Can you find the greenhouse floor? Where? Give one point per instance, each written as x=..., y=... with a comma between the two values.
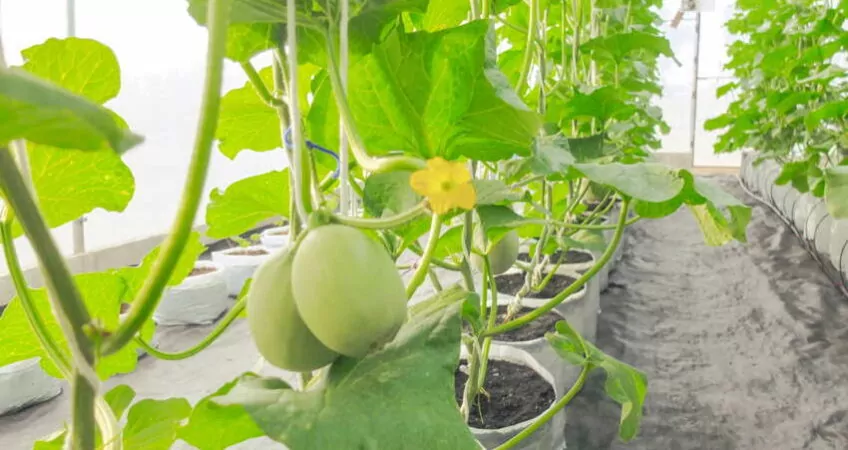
x=745, y=347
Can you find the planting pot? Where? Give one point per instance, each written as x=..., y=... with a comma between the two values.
x=777, y=195
x=815, y=216
x=274, y=238
x=839, y=246
x=200, y=299
x=239, y=264
x=531, y=339
x=767, y=176
x=823, y=231
x=579, y=261
x=579, y=308
x=551, y=436
x=746, y=168
x=803, y=208
x=24, y=384
x=787, y=207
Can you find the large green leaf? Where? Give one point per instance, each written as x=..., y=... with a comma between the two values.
x=153, y=424
x=836, y=191
x=83, y=66
x=246, y=40
x=718, y=228
x=102, y=294
x=624, y=384
x=246, y=122
x=389, y=194
x=40, y=112
x=432, y=94
x=646, y=181
x=217, y=427
x=618, y=47
x=443, y=14
x=135, y=276
x=72, y=183
x=398, y=397
x=587, y=149
x=602, y=104
x=246, y=203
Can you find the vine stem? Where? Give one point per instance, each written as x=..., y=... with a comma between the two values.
x=300, y=170
x=492, y=319
x=424, y=262
x=551, y=412
x=151, y=292
x=219, y=329
x=65, y=298
x=559, y=298
x=383, y=222
x=259, y=86
x=532, y=26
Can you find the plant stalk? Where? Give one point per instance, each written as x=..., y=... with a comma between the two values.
x=424, y=262
x=150, y=294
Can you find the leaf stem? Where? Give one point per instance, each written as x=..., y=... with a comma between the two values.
x=383, y=222
x=574, y=287
x=259, y=86
x=424, y=262
x=151, y=292
x=219, y=329
x=527, y=62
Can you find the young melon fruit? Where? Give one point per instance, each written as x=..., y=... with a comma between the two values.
x=347, y=290
x=275, y=324
x=502, y=255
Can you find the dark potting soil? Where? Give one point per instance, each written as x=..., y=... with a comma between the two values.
x=514, y=393
x=249, y=252
x=201, y=270
x=125, y=307
x=511, y=283
x=571, y=257
x=534, y=330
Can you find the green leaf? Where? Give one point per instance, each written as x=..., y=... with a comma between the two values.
x=153, y=424
x=409, y=381
x=119, y=399
x=246, y=203
x=102, y=293
x=246, y=122
x=390, y=193
x=718, y=228
x=551, y=156
x=83, y=66
x=490, y=192
x=646, y=181
x=587, y=149
x=618, y=47
x=602, y=104
x=72, y=183
x=40, y=112
x=592, y=240
x=434, y=94
x=246, y=40
x=624, y=384
x=836, y=191
x=498, y=221
x=832, y=110
x=216, y=427
x=243, y=11
x=443, y=14
x=450, y=243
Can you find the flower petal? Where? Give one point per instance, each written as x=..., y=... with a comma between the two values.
x=422, y=182
x=458, y=173
x=440, y=203
x=464, y=196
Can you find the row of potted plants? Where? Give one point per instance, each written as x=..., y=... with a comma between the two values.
x=467, y=131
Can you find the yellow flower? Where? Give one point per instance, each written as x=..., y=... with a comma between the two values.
x=445, y=184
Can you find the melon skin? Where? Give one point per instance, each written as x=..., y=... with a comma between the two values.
x=348, y=290
x=502, y=255
x=278, y=331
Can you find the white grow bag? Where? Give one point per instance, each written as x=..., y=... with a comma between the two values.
x=274, y=238
x=198, y=300
x=239, y=267
x=551, y=436
x=24, y=384
x=839, y=246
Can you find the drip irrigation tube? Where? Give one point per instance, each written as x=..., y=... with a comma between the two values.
x=313, y=146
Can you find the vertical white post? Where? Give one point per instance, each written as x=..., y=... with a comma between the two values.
x=344, y=161
x=693, y=126
x=79, y=224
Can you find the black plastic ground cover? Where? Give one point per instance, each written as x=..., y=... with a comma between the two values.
x=745, y=346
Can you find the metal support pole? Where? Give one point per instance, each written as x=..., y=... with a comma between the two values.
x=693, y=126
x=79, y=224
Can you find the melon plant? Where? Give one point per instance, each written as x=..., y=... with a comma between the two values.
x=502, y=254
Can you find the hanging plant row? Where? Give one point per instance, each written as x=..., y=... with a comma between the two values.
x=789, y=94
x=501, y=146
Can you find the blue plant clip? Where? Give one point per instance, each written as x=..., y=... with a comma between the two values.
x=313, y=146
